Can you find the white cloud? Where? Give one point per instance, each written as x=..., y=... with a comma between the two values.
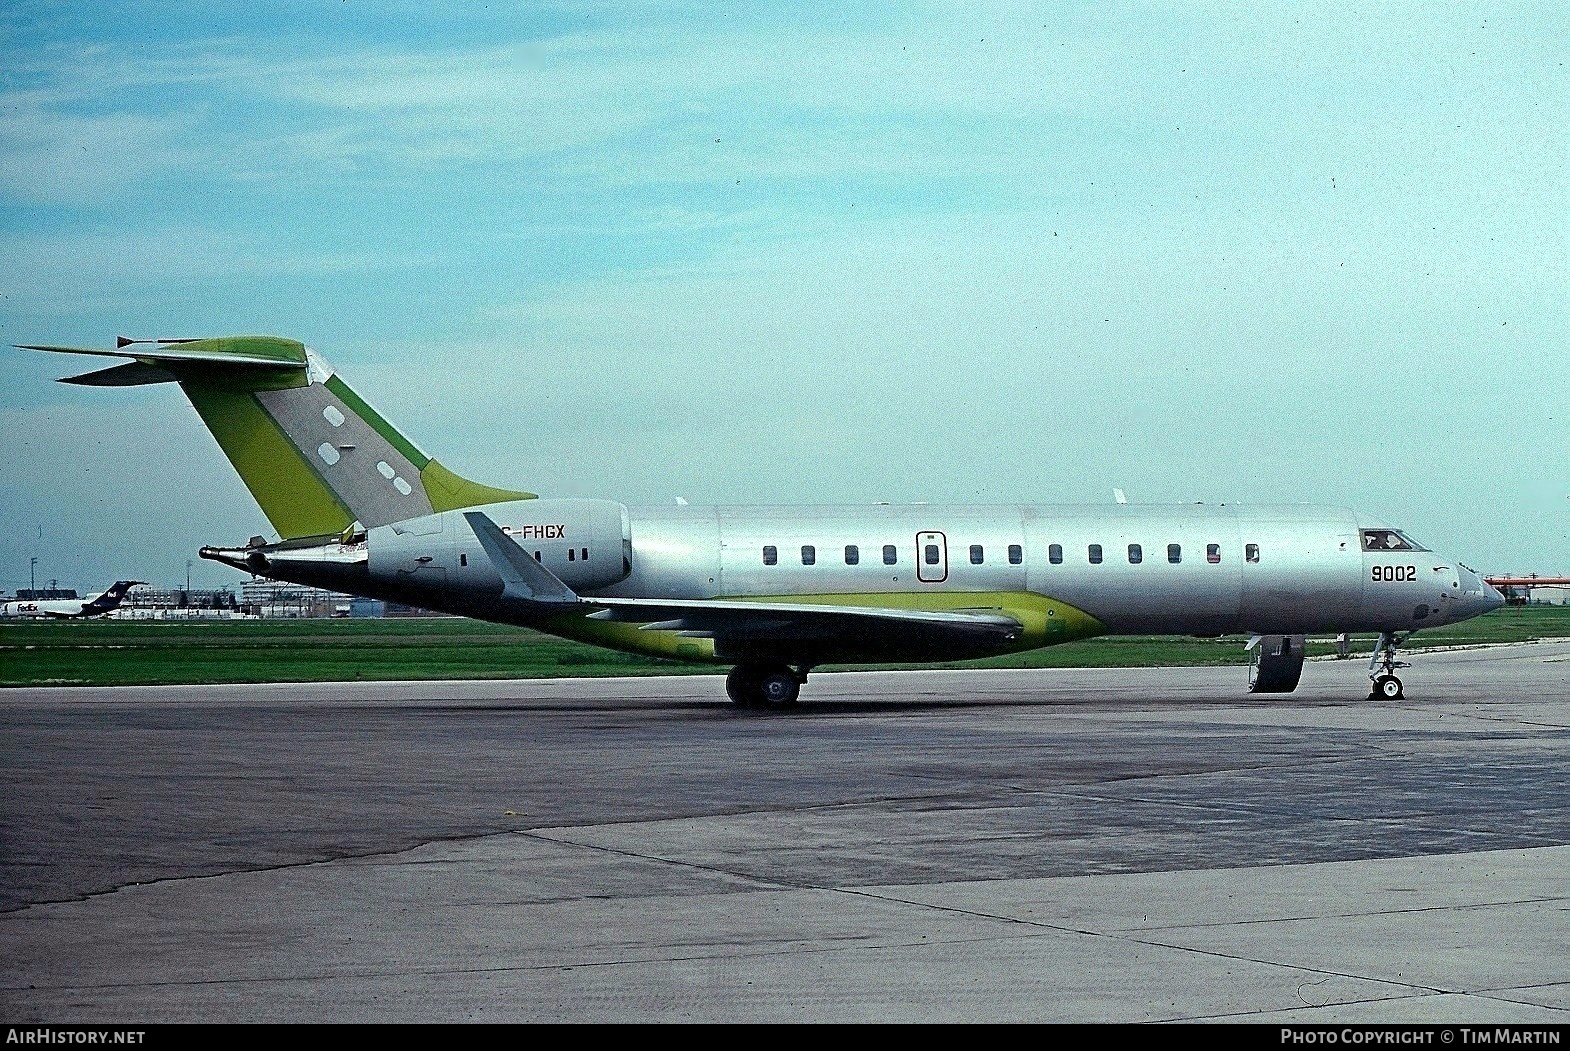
x=49, y=156
x=995, y=95
x=108, y=272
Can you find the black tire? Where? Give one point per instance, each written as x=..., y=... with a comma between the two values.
x=1388, y=687
x=778, y=687
x=741, y=686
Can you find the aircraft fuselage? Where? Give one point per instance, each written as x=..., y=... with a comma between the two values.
x=42, y=608
x=1065, y=571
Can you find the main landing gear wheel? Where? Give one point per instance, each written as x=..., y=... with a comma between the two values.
x=763, y=686
x=1382, y=669
x=741, y=687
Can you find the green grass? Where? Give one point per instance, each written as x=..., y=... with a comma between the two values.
x=107, y=652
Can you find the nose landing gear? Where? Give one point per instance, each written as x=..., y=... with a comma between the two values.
x=1382, y=668
x=764, y=685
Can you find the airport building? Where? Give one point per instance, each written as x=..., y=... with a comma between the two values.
x=272, y=598
x=150, y=603
x=44, y=594
x=256, y=599
x=1524, y=591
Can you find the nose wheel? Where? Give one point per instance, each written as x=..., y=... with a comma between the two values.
x=1386, y=686
x=1382, y=668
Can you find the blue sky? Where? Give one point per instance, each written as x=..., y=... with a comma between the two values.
x=1017, y=253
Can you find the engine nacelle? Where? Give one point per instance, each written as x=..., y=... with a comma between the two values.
x=585, y=543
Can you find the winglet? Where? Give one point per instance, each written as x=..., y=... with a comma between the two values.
x=523, y=578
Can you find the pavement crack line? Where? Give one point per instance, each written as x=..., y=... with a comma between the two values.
x=1133, y=939
x=565, y=839
x=286, y=866
x=1035, y=928
x=781, y=951
x=1275, y=1012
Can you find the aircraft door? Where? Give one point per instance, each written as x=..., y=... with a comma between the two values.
x=932, y=558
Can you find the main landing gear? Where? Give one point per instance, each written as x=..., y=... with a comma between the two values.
x=1382, y=668
x=764, y=685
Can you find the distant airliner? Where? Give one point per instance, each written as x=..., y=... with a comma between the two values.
x=777, y=591
x=65, y=609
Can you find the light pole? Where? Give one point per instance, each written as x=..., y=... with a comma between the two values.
x=32, y=578
x=188, y=580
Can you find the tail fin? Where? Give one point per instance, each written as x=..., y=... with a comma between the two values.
x=111, y=598
x=316, y=457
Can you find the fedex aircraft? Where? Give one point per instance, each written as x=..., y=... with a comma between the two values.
x=776, y=591
x=64, y=609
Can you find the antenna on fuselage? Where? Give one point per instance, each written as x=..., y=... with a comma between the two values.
x=1117, y=494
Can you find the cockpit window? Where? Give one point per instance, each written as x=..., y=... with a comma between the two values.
x=1389, y=540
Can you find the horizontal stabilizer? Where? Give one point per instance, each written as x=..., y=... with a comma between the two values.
x=251, y=351
x=131, y=374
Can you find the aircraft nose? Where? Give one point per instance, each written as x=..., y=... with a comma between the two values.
x=1479, y=596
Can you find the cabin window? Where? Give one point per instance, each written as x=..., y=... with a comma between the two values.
x=852, y=555
x=1016, y=554
x=1095, y=554
x=1251, y=553
x=571, y=555
x=537, y=556
x=890, y=555
x=1055, y=554
x=583, y=553
x=976, y=556
x=809, y=555
x=1174, y=553
x=931, y=554
x=463, y=559
x=771, y=555
x=1136, y=554
x=1212, y=553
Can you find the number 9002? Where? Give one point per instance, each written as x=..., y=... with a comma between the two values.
x=1395, y=572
